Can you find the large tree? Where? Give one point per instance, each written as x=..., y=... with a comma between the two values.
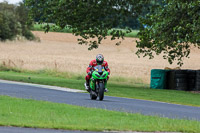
x=168, y=26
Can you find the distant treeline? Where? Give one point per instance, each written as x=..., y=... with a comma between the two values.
x=14, y=22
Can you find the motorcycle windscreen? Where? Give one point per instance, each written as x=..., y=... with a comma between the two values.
x=100, y=69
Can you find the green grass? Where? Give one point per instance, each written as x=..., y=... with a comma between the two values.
x=40, y=114
x=134, y=33
x=120, y=87
x=53, y=28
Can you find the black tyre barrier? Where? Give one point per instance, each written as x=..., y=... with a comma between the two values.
x=197, y=85
x=198, y=75
x=191, y=73
x=181, y=80
x=170, y=80
x=181, y=86
x=181, y=72
x=182, y=76
x=187, y=80
x=198, y=72
x=197, y=88
x=191, y=79
x=198, y=82
x=191, y=85
x=177, y=79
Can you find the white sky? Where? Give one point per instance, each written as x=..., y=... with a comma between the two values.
x=12, y=1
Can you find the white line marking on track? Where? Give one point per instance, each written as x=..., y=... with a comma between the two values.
x=42, y=86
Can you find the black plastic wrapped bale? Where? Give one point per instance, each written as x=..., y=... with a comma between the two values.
x=197, y=84
x=158, y=79
x=177, y=80
x=191, y=80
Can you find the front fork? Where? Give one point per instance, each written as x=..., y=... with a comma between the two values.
x=94, y=85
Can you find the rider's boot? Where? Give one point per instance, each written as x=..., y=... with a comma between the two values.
x=87, y=86
x=106, y=90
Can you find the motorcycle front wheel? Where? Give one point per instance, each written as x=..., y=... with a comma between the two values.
x=101, y=91
x=92, y=95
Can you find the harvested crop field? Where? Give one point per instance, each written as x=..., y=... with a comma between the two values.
x=61, y=51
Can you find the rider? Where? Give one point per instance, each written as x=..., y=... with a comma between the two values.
x=99, y=61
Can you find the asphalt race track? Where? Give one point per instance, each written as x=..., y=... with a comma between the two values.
x=36, y=92
x=36, y=130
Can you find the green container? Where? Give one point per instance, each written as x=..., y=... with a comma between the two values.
x=158, y=79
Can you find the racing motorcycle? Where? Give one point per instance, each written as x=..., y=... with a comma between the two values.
x=97, y=82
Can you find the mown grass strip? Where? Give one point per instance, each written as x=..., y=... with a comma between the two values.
x=40, y=114
x=116, y=87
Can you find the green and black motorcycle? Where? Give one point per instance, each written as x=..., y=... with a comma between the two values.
x=98, y=82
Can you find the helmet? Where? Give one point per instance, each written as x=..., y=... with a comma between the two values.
x=99, y=59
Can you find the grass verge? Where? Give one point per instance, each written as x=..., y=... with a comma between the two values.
x=120, y=87
x=40, y=114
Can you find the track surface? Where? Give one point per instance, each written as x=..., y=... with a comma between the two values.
x=36, y=130
x=110, y=103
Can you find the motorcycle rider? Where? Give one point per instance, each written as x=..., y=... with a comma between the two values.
x=98, y=61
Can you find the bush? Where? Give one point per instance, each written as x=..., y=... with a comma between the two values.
x=9, y=27
x=14, y=21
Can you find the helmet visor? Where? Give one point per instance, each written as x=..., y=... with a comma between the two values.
x=99, y=62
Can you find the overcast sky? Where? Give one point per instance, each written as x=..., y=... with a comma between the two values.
x=12, y=1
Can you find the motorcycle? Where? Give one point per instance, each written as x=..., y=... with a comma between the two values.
x=97, y=82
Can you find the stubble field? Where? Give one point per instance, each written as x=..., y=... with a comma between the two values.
x=62, y=52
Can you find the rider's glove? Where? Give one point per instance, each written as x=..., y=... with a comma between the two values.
x=90, y=73
x=108, y=73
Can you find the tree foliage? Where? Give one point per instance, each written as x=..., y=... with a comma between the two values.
x=167, y=26
x=13, y=21
x=9, y=27
x=87, y=18
x=172, y=28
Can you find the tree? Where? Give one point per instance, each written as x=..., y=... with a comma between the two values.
x=167, y=26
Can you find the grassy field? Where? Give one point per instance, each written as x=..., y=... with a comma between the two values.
x=61, y=52
x=53, y=28
x=30, y=113
x=117, y=87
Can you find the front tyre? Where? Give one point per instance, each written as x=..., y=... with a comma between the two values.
x=93, y=96
x=101, y=91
